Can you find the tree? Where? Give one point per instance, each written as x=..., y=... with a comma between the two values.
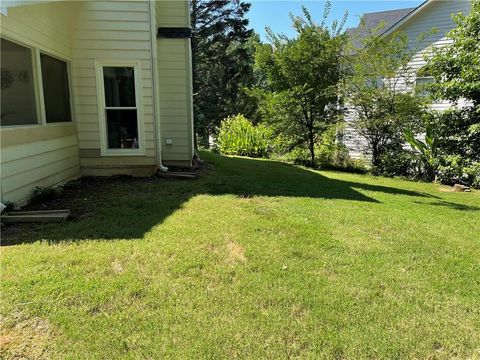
x=301, y=77
x=456, y=69
x=378, y=89
x=222, y=60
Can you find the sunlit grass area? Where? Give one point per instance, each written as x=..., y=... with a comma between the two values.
x=255, y=259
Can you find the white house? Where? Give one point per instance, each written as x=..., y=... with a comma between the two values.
x=93, y=88
x=413, y=22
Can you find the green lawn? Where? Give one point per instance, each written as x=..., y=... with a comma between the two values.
x=256, y=259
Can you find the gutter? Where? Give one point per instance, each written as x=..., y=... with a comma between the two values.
x=156, y=100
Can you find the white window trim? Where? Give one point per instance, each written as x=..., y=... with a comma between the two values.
x=104, y=150
x=423, y=91
x=38, y=86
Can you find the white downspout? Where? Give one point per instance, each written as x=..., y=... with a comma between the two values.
x=156, y=100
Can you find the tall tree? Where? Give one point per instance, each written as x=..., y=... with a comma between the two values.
x=222, y=60
x=301, y=75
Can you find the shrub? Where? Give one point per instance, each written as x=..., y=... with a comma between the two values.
x=397, y=162
x=458, y=134
x=238, y=136
x=454, y=169
x=9, y=206
x=41, y=195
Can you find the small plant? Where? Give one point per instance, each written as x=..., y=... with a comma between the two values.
x=238, y=136
x=427, y=149
x=41, y=195
x=9, y=206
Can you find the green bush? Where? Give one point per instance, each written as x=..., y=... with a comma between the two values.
x=40, y=195
x=399, y=162
x=238, y=136
x=454, y=169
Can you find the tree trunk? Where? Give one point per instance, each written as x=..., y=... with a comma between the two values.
x=375, y=156
x=311, y=146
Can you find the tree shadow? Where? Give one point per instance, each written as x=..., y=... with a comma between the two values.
x=451, y=205
x=127, y=208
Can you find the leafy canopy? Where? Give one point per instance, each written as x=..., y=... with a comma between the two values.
x=456, y=68
x=222, y=51
x=301, y=76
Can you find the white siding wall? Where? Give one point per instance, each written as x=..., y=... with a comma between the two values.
x=38, y=155
x=110, y=30
x=438, y=15
x=174, y=84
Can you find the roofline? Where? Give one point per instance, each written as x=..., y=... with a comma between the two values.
x=407, y=17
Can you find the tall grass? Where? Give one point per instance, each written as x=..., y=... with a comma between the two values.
x=238, y=136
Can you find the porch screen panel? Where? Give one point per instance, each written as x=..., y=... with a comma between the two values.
x=17, y=90
x=56, y=89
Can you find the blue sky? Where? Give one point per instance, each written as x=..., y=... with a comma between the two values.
x=274, y=13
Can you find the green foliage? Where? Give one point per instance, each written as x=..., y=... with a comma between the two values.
x=456, y=68
x=222, y=55
x=428, y=149
x=40, y=195
x=301, y=77
x=398, y=162
x=374, y=89
x=9, y=206
x=238, y=136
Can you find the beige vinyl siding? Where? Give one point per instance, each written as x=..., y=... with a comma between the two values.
x=38, y=155
x=174, y=84
x=111, y=30
x=174, y=13
x=44, y=156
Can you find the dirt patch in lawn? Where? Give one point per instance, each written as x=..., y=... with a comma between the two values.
x=235, y=252
x=22, y=337
x=83, y=197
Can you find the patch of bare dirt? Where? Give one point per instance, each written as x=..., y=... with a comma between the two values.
x=117, y=266
x=24, y=337
x=235, y=253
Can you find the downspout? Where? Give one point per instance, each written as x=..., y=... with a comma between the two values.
x=156, y=100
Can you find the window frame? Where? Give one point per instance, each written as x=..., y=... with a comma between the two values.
x=38, y=85
x=102, y=108
x=424, y=92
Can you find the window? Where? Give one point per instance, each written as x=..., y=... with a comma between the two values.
x=56, y=90
x=121, y=125
x=421, y=84
x=18, y=105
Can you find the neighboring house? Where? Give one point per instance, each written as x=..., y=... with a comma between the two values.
x=413, y=22
x=93, y=88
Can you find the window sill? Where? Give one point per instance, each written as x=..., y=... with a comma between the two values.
x=123, y=152
x=36, y=126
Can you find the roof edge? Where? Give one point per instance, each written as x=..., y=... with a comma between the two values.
x=407, y=17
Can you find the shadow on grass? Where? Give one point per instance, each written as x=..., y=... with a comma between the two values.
x=451, y=205
x=127, y=208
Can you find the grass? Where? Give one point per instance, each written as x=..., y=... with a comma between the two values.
x=256, y=259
